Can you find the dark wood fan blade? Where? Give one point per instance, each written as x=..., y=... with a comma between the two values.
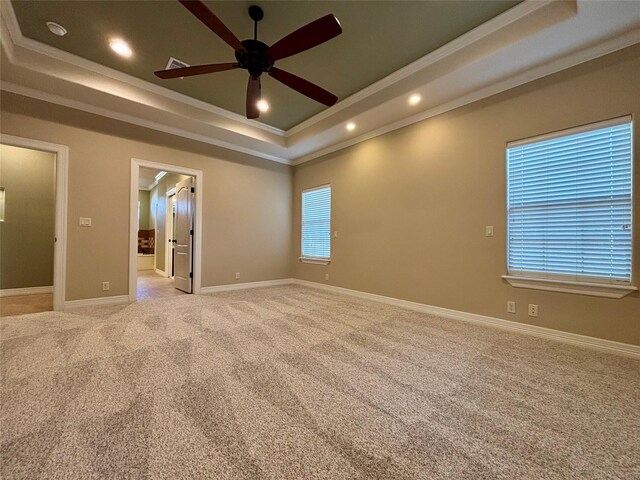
x=303, y=86
x=207, y=17
x=312, y=34
x=253, y=97
x=195, y=70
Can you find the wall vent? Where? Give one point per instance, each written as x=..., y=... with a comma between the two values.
x=175, y=63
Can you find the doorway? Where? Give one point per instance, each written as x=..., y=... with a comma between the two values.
x=165, y=230
x=33, y=217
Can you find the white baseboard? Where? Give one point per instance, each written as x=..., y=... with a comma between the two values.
x=161, y=272
x=12, y=292
x=548, y=333
x=242, y=286
x=95, y=302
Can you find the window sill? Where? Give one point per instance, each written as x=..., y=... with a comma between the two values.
x=581, y=288
x=315, y=261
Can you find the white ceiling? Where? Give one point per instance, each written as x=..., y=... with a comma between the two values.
x=147, y=177
x=529, y=41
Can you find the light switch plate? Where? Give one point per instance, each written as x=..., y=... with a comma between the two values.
x=488, y=231
x=85, y=221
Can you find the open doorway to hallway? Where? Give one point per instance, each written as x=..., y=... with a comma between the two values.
x=165, y=236
x=27, y=230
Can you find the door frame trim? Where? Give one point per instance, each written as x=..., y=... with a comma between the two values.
x=61, y=198
x=136, y=163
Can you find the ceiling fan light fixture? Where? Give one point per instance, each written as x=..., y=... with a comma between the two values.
x=350, y=126
x=257, y=57
x=415, y=99
x=263, y=105
x=121, y=47
x=56, y=29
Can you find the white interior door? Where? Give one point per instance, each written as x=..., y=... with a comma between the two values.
x=183, y=269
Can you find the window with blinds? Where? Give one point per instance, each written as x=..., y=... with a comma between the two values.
x=316, y=223
x=569, y=201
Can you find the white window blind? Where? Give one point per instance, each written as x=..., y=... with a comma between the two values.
x=569, y=204
x=316, y=223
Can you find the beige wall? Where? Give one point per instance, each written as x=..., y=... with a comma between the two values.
x=410, y=207
x=26, y=235
x=246, y=201
x=143, y=198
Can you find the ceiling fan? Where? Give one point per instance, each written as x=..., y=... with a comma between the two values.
x=257, y=57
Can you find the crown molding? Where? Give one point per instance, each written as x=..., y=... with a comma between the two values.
x=85, y=107
x=626, y=40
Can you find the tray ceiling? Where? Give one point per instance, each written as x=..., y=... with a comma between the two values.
x=533, y=39
x=379, y=38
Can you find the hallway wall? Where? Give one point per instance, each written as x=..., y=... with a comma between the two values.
x=145, y=210
x=27, y=233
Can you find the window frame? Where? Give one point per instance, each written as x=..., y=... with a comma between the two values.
x=307, y=258
x=586, y=285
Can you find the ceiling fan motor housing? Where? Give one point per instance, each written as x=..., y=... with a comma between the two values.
x=255, y=58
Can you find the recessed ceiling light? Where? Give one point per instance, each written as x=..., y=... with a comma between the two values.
x=56, y=29
x=350, y=126
x=160, y=174
x=263, y=106
x=121, y=47
x=414, y=99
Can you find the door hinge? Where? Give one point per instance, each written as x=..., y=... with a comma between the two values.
x=190, y=274
x=193, y=190
x=191, y=232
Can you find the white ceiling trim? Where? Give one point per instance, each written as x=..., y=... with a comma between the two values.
x=66, y=102
x=505, y=52
x=626, y=40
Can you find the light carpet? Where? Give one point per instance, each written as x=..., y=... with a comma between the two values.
x=293, y=382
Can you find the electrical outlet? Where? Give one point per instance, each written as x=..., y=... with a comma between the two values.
x=511, y=307
x=105, y=286
x=533, y=310
x=326, y=276
x=237, y=275
x=335, y=234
